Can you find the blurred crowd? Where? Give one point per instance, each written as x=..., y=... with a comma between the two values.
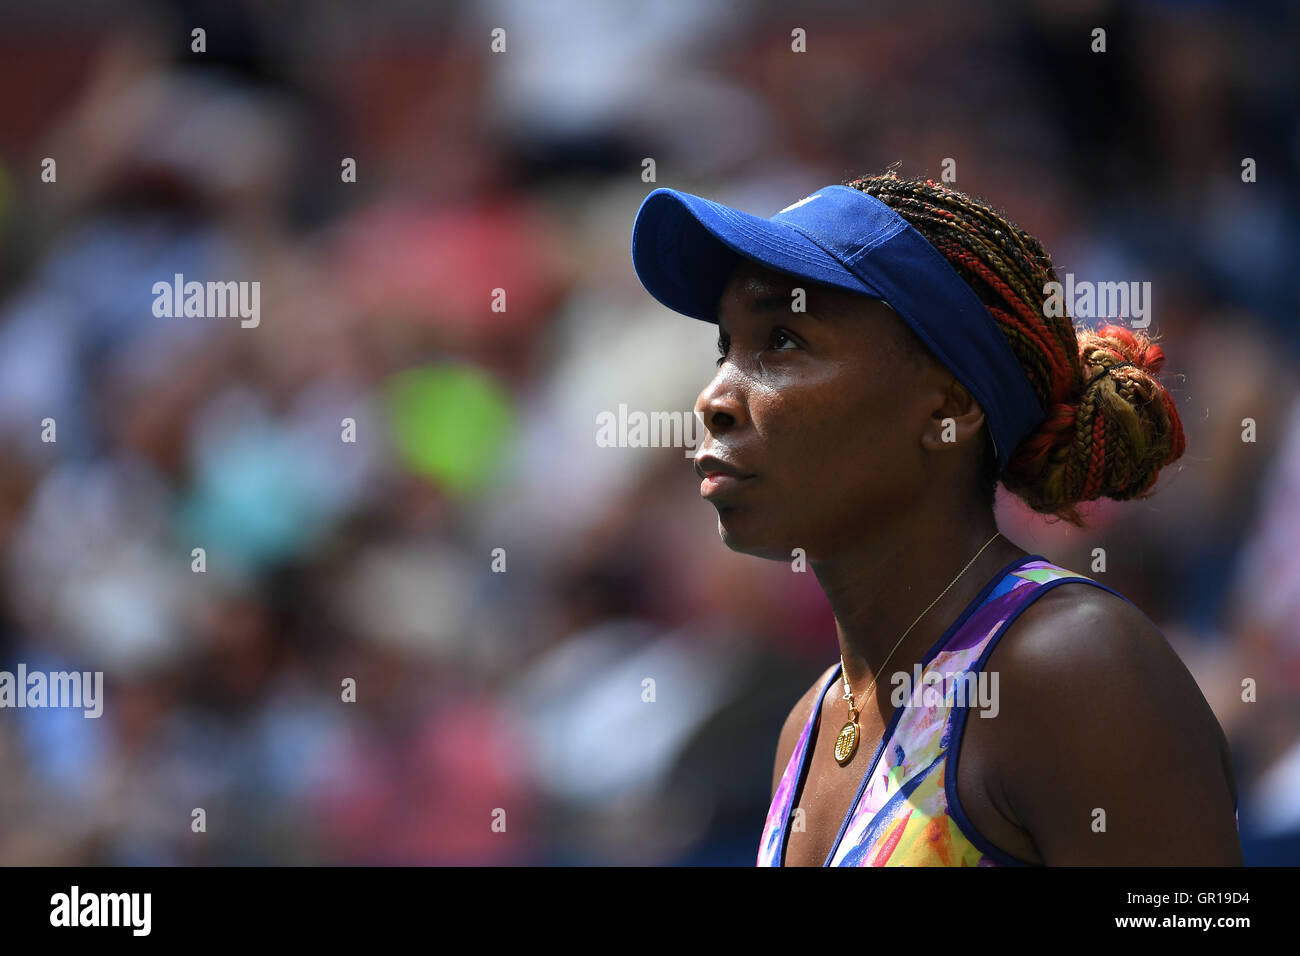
x=394, y=477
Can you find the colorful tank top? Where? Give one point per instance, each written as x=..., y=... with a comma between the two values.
x=907, y=812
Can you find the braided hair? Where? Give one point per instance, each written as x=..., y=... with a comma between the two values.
x=1103, y=435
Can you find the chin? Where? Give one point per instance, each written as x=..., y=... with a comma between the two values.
x=745, y=533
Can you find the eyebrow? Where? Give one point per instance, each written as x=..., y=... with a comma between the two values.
x=761, y=304
x=771, y=302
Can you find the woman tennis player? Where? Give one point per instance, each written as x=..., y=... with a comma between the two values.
x=886, y=359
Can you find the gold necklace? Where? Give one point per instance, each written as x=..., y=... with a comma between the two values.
x=847, y=742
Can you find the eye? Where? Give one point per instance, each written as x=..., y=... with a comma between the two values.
x=723, y=343
x=779, y=336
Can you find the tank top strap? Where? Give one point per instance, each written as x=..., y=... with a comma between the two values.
x=778, y=814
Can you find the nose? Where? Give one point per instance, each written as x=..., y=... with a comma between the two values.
x=720, y=405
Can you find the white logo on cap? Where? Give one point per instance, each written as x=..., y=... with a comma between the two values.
x=796, y=205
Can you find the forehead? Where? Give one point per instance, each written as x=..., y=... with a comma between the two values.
x=752, y=279
x=755, y=289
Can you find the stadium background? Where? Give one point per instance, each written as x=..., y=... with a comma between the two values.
x=476, y=429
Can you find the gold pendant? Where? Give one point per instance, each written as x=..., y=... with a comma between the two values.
x=846, y=743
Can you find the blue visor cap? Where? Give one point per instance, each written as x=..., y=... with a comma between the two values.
x=685, y=247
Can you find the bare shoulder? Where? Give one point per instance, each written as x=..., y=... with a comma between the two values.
x=1099, y=713
x=1077, y=624
x=1077, y=639
x=1078, y=645
x=793, y=726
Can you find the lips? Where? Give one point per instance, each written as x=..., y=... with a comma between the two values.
x=719, y=476
x=708, y=466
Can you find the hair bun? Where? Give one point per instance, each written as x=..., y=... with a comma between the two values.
x=1126, y=426
x=1108, y=438
x=1115, y=347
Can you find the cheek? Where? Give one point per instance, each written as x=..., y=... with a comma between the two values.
x=829, y=440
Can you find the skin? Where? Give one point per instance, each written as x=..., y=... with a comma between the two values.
x=838, y=427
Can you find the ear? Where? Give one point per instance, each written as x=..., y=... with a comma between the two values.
x=955, y=421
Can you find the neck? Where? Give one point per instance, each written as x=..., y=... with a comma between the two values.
x=880, y=586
